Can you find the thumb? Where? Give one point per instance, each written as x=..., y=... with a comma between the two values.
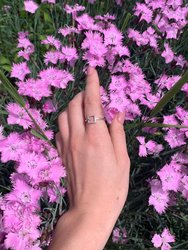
x=118, y=138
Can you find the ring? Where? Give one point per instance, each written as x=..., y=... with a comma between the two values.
x=91, y=119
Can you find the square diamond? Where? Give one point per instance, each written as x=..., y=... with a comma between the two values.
x=91, y=119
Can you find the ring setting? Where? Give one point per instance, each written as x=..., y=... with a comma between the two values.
x=91, y=119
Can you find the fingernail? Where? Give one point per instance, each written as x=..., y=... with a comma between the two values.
x=90, y=70
x=121, y=117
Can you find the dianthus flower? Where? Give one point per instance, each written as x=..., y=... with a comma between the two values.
x=20, y=70
x=30, y=6
x=163, y=240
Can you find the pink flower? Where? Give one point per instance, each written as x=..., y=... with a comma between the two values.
x=86, y=22
x=168, y=54
x=25, y=194
x=56, y=77
x=18, y=115
x=12, y=147
x=170, y=178
x=119, y=235
x=51, y=40
x=118, y=82
x=67, y=30
x=74, y=9
x=112, y=36
x=20, y=70
x=158, y=198
x=52, y=57
x=48, y=106
x=69, y=54
x=175, y=138
x=163, y=240
x=150, y=100
x=145, y=12
x=148, y=148
x=31, y=163
x=35, y=88
x=30, y=6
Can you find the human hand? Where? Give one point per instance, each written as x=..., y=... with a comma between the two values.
x=96, y=158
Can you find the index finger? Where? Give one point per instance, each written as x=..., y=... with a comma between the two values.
x=92, y=101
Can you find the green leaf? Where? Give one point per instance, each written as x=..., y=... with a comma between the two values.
x=4, y=60
x=11, y=89
x=6, y=68
x=170, y=94
x=47, y=18
x=163, y=125
x=38, y=135
x=126, y=21
x=2, y=112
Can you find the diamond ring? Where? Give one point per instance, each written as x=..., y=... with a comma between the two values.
x=91, y=119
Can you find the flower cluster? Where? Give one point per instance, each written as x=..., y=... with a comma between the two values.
x=38, y=173
x=96, y=41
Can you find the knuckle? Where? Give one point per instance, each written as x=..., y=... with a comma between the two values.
x=73, y=103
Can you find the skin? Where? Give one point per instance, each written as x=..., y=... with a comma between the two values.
x=98, y=167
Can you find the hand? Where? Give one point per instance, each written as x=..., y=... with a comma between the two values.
x=96, y=159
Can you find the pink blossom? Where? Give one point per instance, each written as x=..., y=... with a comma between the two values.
x=20, y=70
x=119, y=235
x=69, y=54
x=170, y=119
x=35, y=88
x=112, y=36
x=18, y=115
x=73, y=9
x=30, y=6
x=150, y=100
x=148, y=148
x=31, y=163
x=12, y=147
x=25, y=194
x=48, y=106
x=56, y=77
x=170, y=178
x=166, y=81
x=158, y=198
x=175, y=138
x=105, y=17
x=67, y=30
x=38, y=118
x=180, y=61
x=145, y=12
x=118, y=82
x=163, y=240
x=52, y=57
x=86, y=22
x=51, y=40
x=168, y=54
x=53, y=172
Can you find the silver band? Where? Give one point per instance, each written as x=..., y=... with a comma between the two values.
x=91, y=119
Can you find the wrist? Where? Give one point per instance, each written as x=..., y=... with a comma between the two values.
x=80, y=228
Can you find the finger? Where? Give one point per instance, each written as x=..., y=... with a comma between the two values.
x=92, y=101
x=59, y=144
x=76, y=115
x=64, y=129
x=118, y=138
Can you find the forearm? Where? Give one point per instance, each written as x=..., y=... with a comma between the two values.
x=79, y=230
